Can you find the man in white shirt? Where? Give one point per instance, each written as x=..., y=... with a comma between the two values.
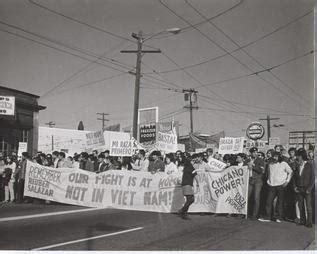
x=142, y=163
x=279, y=175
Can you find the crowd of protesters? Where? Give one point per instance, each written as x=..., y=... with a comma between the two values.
x=281, y=182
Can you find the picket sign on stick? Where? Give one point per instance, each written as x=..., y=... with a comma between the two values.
x=121, y=147
x=217, y=192
x=167, y=142
x=95, y=139
x=216, y=165
x=229, y=145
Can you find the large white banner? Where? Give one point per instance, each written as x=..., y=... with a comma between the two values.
x=230, y=145
x=217, y=192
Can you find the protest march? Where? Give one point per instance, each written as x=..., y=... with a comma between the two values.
x=116, y=171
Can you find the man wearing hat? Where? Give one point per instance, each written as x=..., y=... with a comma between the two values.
x=256, y=169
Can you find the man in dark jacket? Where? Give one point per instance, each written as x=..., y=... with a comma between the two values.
x=304, y=180
x=158, y=165
x=256, y=170
x=21, y=177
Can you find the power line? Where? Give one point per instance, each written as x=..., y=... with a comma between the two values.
x=78, y=49
x=264, y=108
x=246, y=52
x=240, y=47
x=256, y=73
x=92, y=83
x=222, y=48
x=183, y=29
x=84, y=23
x=58, y=49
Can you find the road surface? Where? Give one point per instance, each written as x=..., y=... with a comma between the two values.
x=65, y=227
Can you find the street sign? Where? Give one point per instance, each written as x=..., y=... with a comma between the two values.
x=7, y=104
x=255, y=131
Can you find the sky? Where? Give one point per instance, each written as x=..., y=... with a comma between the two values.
x=246, y=58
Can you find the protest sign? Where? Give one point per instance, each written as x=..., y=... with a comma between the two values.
x=23, y=147
x=121, y=147
x=218, y=192
x=95, y=139
x=230, y=145
x=216, y=165
x=114, y=135
x=167, y=142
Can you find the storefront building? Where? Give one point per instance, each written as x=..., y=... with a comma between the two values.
x=22, y=124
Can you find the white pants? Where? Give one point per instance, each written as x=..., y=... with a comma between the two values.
x=9, y=192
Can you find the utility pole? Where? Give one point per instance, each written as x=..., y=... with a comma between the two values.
x=51, y=124
x=191, y=95
x=103, y=119
x=139, y=53
x=268, y=120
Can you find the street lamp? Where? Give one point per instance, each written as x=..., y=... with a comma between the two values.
x=140, y=40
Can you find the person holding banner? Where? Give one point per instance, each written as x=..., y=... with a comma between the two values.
x=187, y=186
x=170, y=167
x=142, y=163
x=157, y=165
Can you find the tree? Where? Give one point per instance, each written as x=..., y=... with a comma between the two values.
x=81, y=126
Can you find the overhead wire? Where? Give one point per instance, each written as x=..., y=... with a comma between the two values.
x=244, y=50
x=254, y=106
x=84, y=23
x=222, y=48
x=240, y=47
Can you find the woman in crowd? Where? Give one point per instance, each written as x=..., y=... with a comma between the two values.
x=187, y=186
x=69, y=162
x=170, y=167
x=9, y=179
x=179, y=161
x=125, y=163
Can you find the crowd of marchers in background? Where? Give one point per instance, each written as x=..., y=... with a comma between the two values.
x=281, y=183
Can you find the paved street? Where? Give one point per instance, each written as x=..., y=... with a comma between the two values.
x=63, y=227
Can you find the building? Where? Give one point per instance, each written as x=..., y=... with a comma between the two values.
x=304, y=139
x=22, y=124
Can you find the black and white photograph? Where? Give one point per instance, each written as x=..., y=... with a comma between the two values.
x=157, y=125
